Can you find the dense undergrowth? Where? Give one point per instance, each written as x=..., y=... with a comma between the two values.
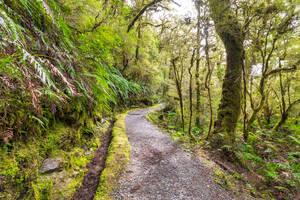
x=266, y=166
x=49, y=75
x=58, y=88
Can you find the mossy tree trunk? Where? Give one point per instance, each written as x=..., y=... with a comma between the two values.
x=178, y=75
x=137, y=49
x=208, y=77
x=197, y=74
x=229, y=30
x=191, y=91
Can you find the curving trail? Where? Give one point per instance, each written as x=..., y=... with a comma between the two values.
x=161, y=170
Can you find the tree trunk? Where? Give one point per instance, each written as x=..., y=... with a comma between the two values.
x=285, y=115
x=245, y=132
x=267, y=111
x=125, y=63
x=282, y=120
x=208, y=78
x=197, y=75
x=285, y=111
x=179, y=90
x=229, y=30
x=137, y=49
x=191, y=92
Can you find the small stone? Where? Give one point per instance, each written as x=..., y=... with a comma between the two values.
x=50, y=165
x=75, y=173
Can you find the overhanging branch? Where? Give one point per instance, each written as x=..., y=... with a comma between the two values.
x=141, y=12
x=275, y=71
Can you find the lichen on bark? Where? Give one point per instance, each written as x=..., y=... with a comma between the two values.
x=229, y=30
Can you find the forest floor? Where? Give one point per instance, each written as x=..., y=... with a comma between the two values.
x=161, y=169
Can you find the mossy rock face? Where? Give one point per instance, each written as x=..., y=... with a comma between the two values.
x=117, y=159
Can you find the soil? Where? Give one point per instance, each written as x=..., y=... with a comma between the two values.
x=161, y=169
x=91, y=179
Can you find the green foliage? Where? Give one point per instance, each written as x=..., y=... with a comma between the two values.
x=42, y=189
x=49, y=74
x=30, y=75
x=20, y=163
x=56, y=71
x=9, y=167
x=75, y=159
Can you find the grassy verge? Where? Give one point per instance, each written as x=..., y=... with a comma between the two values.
x=149, y=117
x=117, y=159
x=155, y=107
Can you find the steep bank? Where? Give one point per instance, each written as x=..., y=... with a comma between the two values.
x=57, y=93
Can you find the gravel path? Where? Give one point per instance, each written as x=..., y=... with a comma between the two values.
x=160, y=169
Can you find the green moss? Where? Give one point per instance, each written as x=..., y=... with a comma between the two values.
x=155, y=106
x=149, y=117
x=42, y=189
x=53, y=140
x=20, y=163
x=9, y=167
x=118, y=158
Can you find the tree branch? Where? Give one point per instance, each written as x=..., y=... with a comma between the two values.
x=293, y=68
x=292, y=105
x=154, y=25
x=141, y=12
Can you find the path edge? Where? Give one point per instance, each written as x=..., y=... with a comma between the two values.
x=116, y=161
x=153, y=109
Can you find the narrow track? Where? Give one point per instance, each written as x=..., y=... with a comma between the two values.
x=160, y=169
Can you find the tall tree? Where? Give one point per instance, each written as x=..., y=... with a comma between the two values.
x=197, y=74
x=178, y=77
x=191, y=91
x=285, y=109
x=229, y=29
x=208, y=76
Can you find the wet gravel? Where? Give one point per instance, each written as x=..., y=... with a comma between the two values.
x=160, y=169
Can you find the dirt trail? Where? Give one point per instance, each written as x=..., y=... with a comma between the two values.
x=160, y=169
